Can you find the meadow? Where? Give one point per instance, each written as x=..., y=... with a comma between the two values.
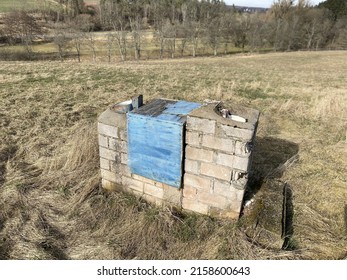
x=10, y=5
x=52, y=206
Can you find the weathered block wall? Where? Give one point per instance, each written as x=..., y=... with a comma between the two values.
x=113, y=149
x=217, y=161
x=115, y=173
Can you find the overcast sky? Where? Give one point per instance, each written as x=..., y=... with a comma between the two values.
x=259, y=3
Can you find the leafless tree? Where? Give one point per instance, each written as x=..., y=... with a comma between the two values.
x=61, y=41
x=91, y=43
x=19, y=26
x=135, y=21
x=79, y=28
x=213, y=34
x=165, y=36
x=170, y=33
x=183, y=37
x=115, y=17
x=72, y=8
x=77, y=42
x=316, y=28
x=159, y=19
x=121, y=33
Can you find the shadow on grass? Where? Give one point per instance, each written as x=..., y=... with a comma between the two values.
x=270, y=157
x=34, y=56
x=54, y=243
x=5, y=248
x=269, y=221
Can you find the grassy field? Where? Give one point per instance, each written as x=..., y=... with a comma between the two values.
x=149, y=50
x=10, y=5
x=51, y=203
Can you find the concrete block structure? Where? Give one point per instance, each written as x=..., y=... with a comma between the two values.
x=214, y=154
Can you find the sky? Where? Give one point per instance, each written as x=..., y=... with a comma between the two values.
x=259, y=3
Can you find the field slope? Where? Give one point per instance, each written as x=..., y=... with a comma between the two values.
x=11, y=5
x=51, y=203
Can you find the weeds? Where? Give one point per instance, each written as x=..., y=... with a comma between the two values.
x=51, y=203
x=252, y=93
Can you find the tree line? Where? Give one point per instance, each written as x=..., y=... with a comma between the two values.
x=180, y=27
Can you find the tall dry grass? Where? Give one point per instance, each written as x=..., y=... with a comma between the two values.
x=51, y=204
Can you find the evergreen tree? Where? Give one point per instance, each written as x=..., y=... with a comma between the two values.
x=338, y=8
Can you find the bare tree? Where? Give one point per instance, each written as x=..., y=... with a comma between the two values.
x=165, y=36
x=21, y=27
x=110, y=43
x=170, y=32
x=78, y=30
x=121, y=33
x=135, y=21
x=61, y=41
x=279, y=11
x=159, y=19
x=115, y=17
x=213, y=34
x=316, y=28
x=195, y=33
x=213, y=22
x=240, y=28
x=72, y=8
x=77, y=42
x=91, y=43
x=182, y=36
x=159, y=41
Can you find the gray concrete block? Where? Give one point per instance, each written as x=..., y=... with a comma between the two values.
x=195, y=206
x=103, y=141
x=111, y=176
x=216, y=143
x=199, y=154
x=118, y=145
x=105, y=164
x=224, y=159
x=108, y=130
x=202, y=125
x=241, y=163
x=112, y=118
x=216, y=171
x=108, y=154
x=235, y=132
x=191, y=166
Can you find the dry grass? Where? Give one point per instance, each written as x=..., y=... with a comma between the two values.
x=51, y=206
x=149, y=50
x=10, y=5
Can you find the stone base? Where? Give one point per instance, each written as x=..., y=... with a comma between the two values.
x=217, y=160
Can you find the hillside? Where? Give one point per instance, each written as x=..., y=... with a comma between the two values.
x=10, y=5
x=51, y=203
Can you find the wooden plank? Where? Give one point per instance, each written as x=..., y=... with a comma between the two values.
x=155, y=140
x=155, y=108
x=181, y=108
x=155, y=151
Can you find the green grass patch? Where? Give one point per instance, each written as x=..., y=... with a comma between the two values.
x=252, y=93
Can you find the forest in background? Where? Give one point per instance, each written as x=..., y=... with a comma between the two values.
x=170, y=28
x=51, y=200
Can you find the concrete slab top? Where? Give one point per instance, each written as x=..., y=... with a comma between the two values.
x=113, y=118
x=211, y=111
x=166, y=110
